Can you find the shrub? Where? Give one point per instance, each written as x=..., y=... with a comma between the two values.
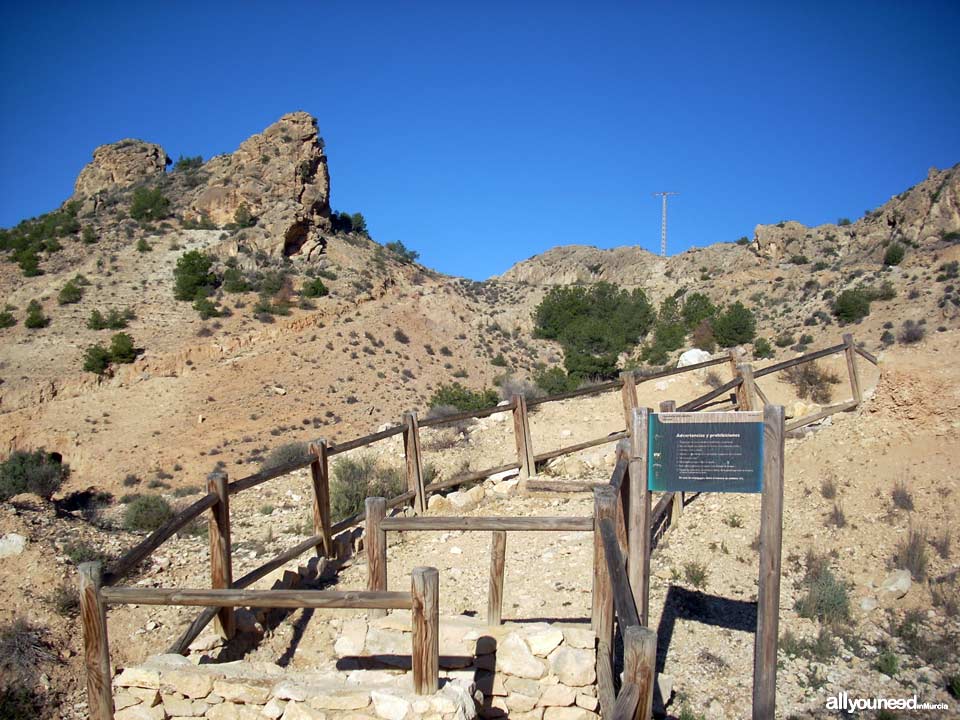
x=894, y=254
x=401, y=252
x=851, y=306
x=812, y=381
x=400, y=336
x=234, y=281
x=24, y=649
x=356, y=479
x=887, y=662
x=88, y=236
x=121, y=349
x=695, y=573
x=784, y=340
x=35, y=317
x=799, y=260
x=554, y=381
x=243, y=218
x=7, y=319
x=734, y=326
x=902, y=497
x=828, y=488
x=81, y=552
x=149, y=204
x=837, y=517
x=65, y=600
x=37, y=472
x=702, y=336
x=697, y=307
x=146, y=513
x=285, y=455
x=941, y=543
x=842, y=222
x=206, y=308
x=911, y=332
x=827, y=599
x=314, y=289
x=462, y=398
x=192, y=276
x=184, y=164
x=762, y=349
x=510, y=386
x=593, y=324
x=143, y=245
x=96, y=359
x=911, y=553
x=887, y=338
x=70, y=293
x=499, y=361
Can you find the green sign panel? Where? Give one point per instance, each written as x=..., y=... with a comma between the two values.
x=706, y=452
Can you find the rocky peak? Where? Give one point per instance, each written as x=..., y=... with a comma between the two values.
x=281, y=176
x=120, y=165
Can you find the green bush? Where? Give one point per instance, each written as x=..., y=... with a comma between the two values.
x=851, y=306
x=143, y=245
x=115, y=319
x=697, y=307
x=243, y=218
x=669, y=333
x=88, y=236
x=40, y=234
x=843, y=222
x=462, y=398
x=121, y=349
x=35, y=317
x=206, y=307
x=7, y=319
x=894, y=254
x=356, y=479
x=812, y=381
x=96, y=359
x=146, y=513
x=234, y=281
x=314, y=289
x=593, y=324
x=149, y=204
x=184, y=164
x=70, y=293
x=762, y=349
x=735, y=325
x=192, y=276
x=401, y=252
x=827, y=599
x=37, y=472
x=342, y=222
x=554, y=381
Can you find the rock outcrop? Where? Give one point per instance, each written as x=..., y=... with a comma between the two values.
x=120, y=165
x=281, y=176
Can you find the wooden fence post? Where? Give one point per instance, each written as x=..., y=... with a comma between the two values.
x=676, y=510
x=96, y=649
x=604, y=506
x=221, y=564
x=629, y=395
x=375, y=541
x=425, y=588
x=320, y=473
x=638, y=517
x=735, y=371
x=623, y=498
x=411, y=450
x=851, y=352
x=639, y=665
x=498, y=553
x=521, y=430
x=768, y=591
x=748, y=389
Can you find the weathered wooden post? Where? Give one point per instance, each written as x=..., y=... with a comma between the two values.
x=748, y=389
x=375, y=541
x=96, y=649
x=851, y=352
x=320, y=473
x=623, y=498
x=521, y=431
x=498, y=552
x=628, y=394
x=768, y=592
x=735, y=356
x=425, y=588
x=221, y=564
x=604, y=507
x=639, y=665
x=676, y=509
x=638, y=517
x=411, y=450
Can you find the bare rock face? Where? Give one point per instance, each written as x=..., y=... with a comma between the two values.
x=120, y=165
x=281, y=176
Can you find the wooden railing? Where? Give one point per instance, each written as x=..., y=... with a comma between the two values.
x=741, y=392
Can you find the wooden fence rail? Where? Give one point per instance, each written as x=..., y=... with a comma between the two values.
x=422, y=600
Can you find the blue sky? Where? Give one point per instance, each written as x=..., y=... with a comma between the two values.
x=483, y=133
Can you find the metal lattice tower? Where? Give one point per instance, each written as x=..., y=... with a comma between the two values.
x=663, y=221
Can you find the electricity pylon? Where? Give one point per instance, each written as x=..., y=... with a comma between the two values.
x=663, y=221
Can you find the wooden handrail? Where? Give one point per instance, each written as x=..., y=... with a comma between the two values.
x=518, y=524
x=122, y=567
x=579, y=392
x=825, y=412
x=441, y=420
x=258, y=478
x=722, y=390
x=641, y=377
x=235, y=597
x=870, y=357
x=337, y=448
x=809, y=357
x=550, y=454
x=470, y=477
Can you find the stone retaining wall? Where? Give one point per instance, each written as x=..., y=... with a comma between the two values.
x=534, y=671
